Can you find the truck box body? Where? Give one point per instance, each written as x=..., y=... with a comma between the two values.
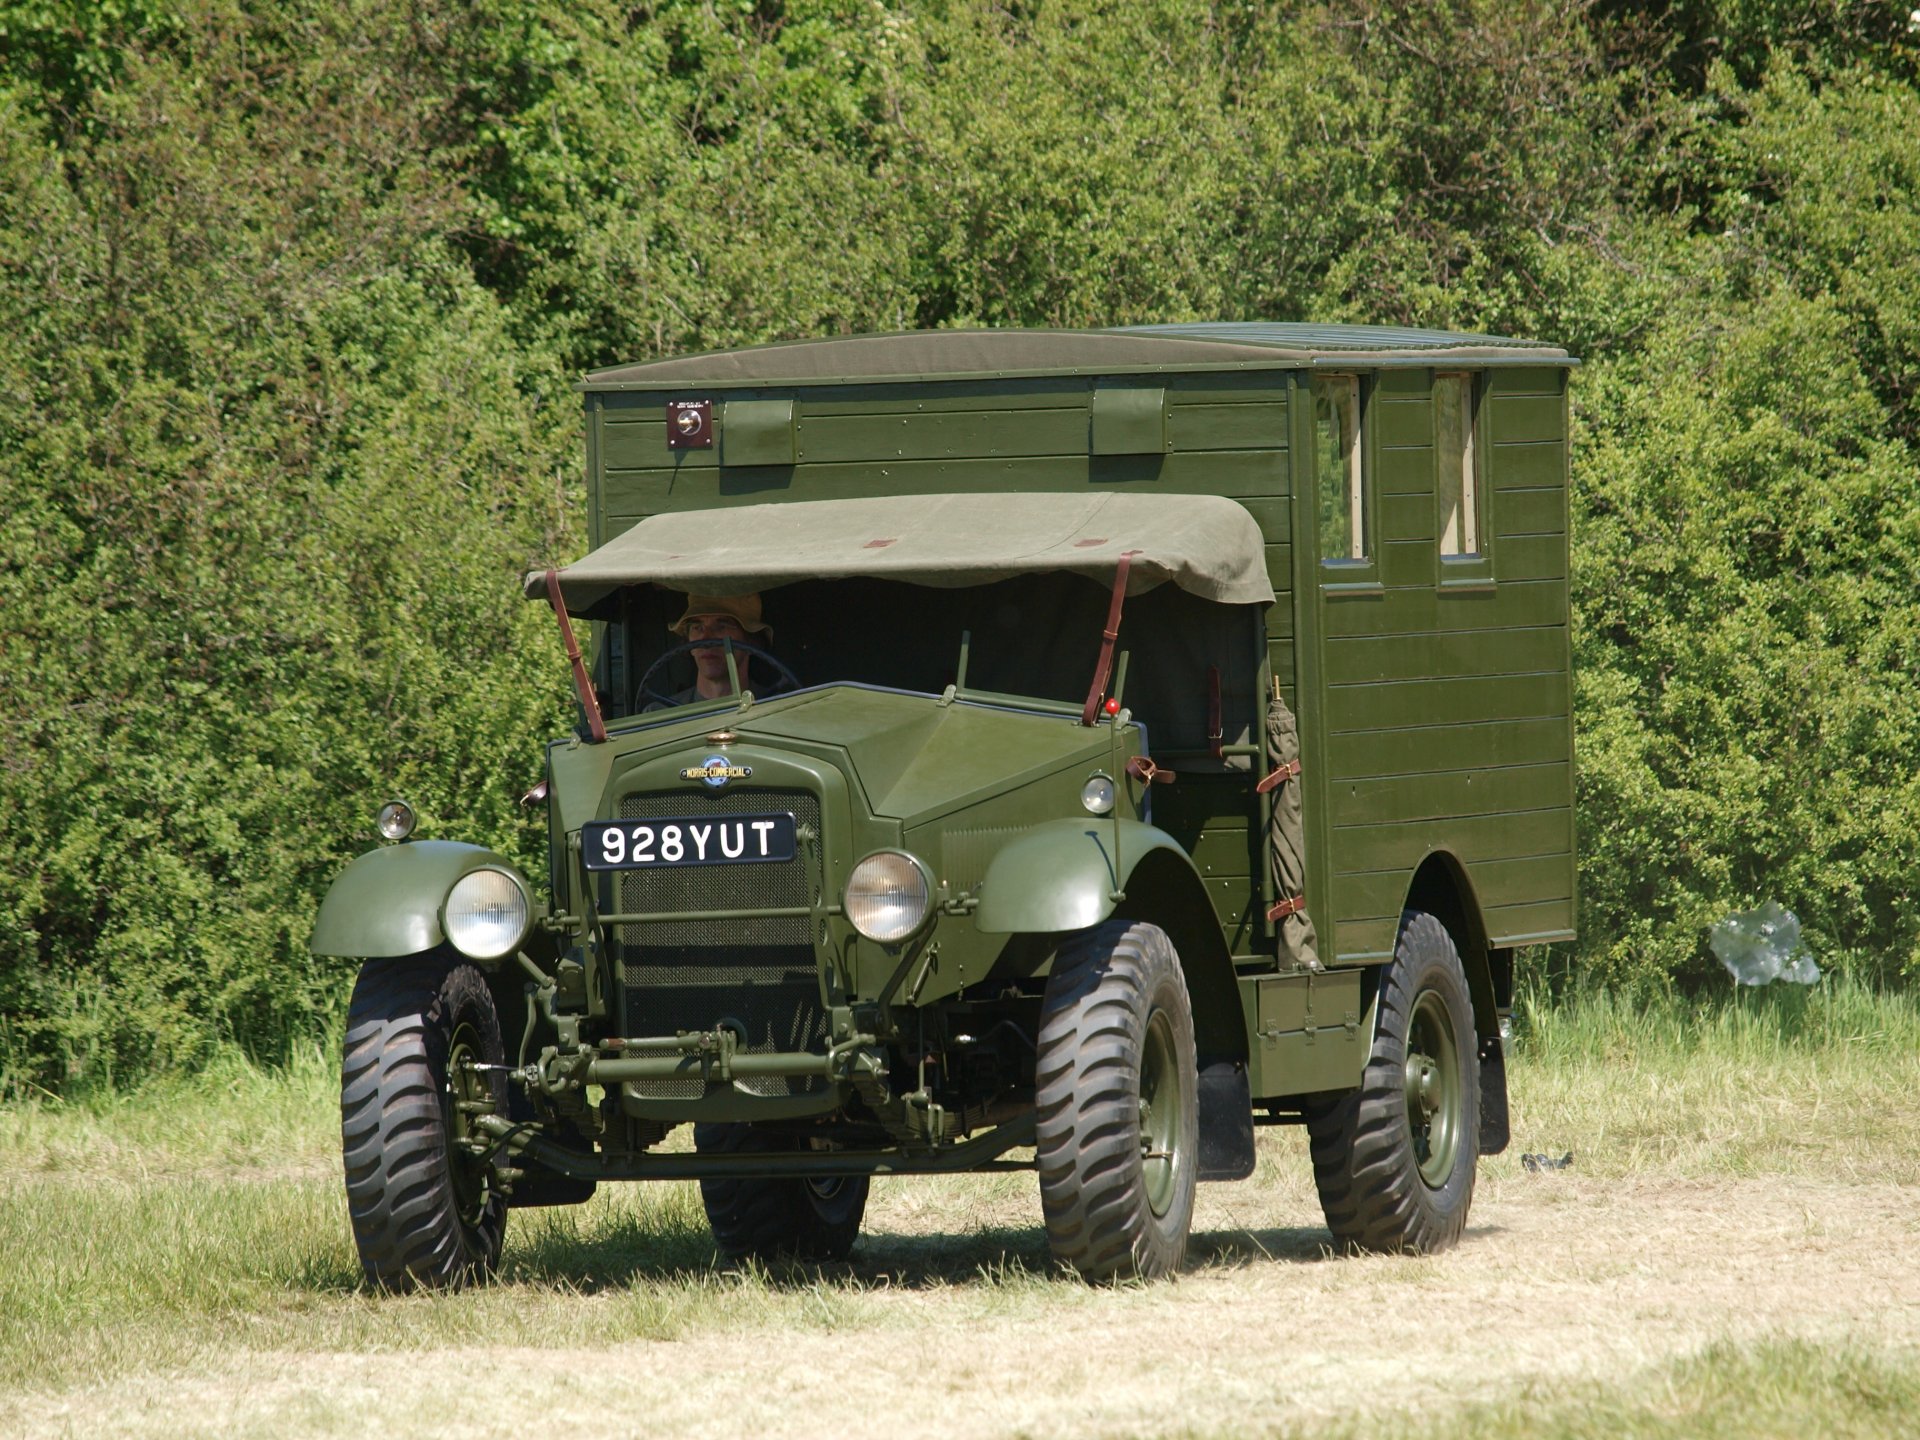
x=1433, y=692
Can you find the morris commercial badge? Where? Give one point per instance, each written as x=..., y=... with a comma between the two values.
x=715, y=771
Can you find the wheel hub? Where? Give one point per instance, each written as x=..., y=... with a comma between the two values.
x=468, y=1094
x=1161, y=1140
x=1433, y=1092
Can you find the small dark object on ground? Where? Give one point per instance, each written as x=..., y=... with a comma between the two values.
x=1533, y=1164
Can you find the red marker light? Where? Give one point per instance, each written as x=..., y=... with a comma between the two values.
x=1113, y=707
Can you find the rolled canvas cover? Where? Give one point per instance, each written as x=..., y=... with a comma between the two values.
x=1286, y=839
x=1206, y=544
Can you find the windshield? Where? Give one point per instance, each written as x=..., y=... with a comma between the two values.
x=1034, y=636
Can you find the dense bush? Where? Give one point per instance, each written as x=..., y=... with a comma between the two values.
x=291, y=293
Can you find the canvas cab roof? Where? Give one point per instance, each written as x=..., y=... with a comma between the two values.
x=966, y=354
x=1205, y=544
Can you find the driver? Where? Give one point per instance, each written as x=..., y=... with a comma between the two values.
x=717, y=618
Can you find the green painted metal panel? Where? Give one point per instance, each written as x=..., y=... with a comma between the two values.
x=1397, y=704
x=1421, y=611
x=1497, y=882
x=1512, y=419
x=756, y=432
x=1446, y=747
x=1529, y=512
x=1362, y=942
x=1224, y=851
x=1229, y=427
x=1403, y=844
x=1534, y=465
x=1235, y=905
x=1402, y=422
x=1362, y=660
x=1453, y=793
x=1129, y=420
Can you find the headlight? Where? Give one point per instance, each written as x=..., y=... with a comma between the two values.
x=486, y=914
x=1097, y=794
x=395, y=820
x=888, y=896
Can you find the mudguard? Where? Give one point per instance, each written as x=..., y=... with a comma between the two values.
x=387, y=901
x=1063, y=875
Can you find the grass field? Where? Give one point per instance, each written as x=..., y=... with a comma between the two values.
x=1734, y=1252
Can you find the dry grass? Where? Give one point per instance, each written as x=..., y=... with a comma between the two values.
x=1737, y=1223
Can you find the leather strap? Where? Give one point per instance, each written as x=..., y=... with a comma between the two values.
x=1279, y=777
x=1097, y=691
x=1148, y=773
x=589, y=702
x=1292, y=906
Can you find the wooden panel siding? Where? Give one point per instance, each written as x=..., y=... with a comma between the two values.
x=1400, y=704
x=1419, y=750
x=1379, y=894
x=1532, y=466
x=1401, y=422
x=1454, y=793
x=1228, y=427
x=1403, y=844
x=1517, y=924
x=1233, y=473
x=1530, y=512
x=1515, y=419
x=1435, y=655
x=1422, y=611
x=1407, y=517
x=1273, y=515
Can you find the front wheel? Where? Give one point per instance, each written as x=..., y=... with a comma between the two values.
x=425, y=1209
x=1116, y=1108
x=1394, y=1161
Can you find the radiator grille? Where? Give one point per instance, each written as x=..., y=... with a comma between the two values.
x=691, y=975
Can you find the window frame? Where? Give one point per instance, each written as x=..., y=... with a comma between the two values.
x=1348, y=571
x=1464, y=569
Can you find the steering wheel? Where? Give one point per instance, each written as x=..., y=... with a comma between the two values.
x=788, y=680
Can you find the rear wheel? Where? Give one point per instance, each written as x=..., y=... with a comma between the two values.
x=1117, y=1121
x=777, y=1217
x=1394, y=1161
x=426, y=1211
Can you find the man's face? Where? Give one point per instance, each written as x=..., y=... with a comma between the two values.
x=713, y=662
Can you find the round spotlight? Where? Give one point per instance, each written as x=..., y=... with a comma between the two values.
x=1097, y=794
x=396, y=820
x=889, y=896
x=486, y=914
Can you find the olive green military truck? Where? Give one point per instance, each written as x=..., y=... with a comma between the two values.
x=1164, y=732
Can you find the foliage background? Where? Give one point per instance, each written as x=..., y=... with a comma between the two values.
x=292, y=293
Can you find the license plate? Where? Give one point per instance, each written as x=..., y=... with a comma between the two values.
x=687, y=840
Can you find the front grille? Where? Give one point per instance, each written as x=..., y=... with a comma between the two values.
x=759, y=974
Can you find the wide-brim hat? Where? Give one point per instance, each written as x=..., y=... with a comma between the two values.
x=744, y=608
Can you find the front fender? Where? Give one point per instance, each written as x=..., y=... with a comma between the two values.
x=1063, y=875
x=387, y=901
